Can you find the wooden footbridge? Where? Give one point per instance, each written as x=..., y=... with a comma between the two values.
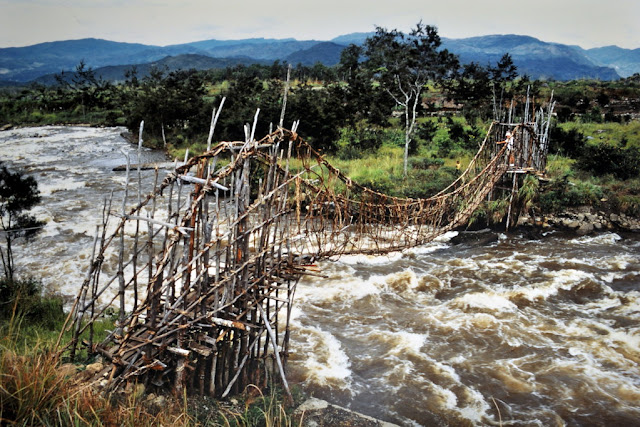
x=204, y=269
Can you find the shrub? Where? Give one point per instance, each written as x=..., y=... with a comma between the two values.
x=444, y=144
x=604, y=159
x=489, y=213
x=356, y=141
x=378, y=180
x=24, y=299
x=424, y=163
x=426, y=183
x=34, y=390
x=626, y=203
x=593, y=116
x=426, y=130
x=32, y=387
x=561, y=194
x=568, y=142
x=624, y=197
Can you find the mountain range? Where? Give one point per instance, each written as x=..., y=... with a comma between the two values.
x=536, y=58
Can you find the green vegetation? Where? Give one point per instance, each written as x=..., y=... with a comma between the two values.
x=404, y=65
x=353, y=115
x=17, y=195
x=397, y=114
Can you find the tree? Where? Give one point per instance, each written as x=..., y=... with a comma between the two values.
x=504, y=71
x=475, y=85
x=174, y=102
x=361, y=99
x=86, y=88
x=17, y=194
x=321, y=113
x=404, y=64
x=474, y=89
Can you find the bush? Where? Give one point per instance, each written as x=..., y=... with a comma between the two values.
x=426, y=130
x=444, y=144
x=626, y=204
x=356, y=141
x=424, y=163
x=569, y=143
x=426, y=183
x=604, y=159
x=24, y=299
x=561, y=194
x=378, y=180
x=624, y=197
x=32, y=387
x=420, y=183
x=489, y=213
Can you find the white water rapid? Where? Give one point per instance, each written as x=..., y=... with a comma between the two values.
x=514, y=332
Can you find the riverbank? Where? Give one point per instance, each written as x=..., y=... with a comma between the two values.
x=583, y=221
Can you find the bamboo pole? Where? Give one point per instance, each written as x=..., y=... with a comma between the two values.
x=137, y=232
x=120, y=274
x=214, y=120
x=284, y=96
x=276, y=353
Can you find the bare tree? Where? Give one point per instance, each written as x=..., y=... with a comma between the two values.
x=404, y=65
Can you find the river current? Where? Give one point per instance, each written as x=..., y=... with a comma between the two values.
x=512, y=332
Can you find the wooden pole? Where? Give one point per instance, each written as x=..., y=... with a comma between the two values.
x=284, y=96
x=120, y=273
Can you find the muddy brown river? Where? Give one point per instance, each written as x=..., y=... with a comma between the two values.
x=515, y=332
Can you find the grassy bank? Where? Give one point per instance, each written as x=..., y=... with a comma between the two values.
x=38, y=385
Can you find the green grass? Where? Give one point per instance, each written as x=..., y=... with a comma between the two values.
x=387, y=160
x=559, y=166
x=623, y=135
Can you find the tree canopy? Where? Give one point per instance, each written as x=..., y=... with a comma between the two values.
x=17, y=194
x=404, y=65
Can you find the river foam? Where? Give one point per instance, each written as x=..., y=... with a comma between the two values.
x=534, y=328
x=545, y=331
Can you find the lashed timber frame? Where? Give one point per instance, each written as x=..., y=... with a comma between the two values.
x=205, y=294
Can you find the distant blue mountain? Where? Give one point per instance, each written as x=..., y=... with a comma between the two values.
x=27, y=63
x=533, y=57
x=116, y=73
x=327, y=53
x=353, y=38
x=624, y=61
x=537, y=59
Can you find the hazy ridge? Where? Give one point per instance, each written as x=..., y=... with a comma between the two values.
x=536, y=58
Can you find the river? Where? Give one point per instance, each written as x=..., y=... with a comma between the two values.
x=513, y=332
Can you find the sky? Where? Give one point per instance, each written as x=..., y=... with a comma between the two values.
x=586, y=23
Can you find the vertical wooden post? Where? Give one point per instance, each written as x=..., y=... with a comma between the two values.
x=120, y=273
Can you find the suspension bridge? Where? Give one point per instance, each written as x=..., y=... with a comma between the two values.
x=203, y=269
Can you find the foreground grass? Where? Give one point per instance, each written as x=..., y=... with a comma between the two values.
x=39, y=387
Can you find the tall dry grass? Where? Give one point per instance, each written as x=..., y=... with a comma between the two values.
x=38, y=389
